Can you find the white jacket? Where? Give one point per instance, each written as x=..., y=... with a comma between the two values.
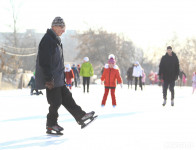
x=137, y=70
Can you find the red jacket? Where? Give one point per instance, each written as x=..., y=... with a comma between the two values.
x=69, y=75
x=110, y=75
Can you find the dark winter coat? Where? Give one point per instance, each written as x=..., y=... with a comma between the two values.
x=129, y=73
x=50, y=61
x=75, y=71
x=169, y=67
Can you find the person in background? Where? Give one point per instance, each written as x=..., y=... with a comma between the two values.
x=76, y=74
x=143, y=77
x=78, y=68
x=69, y=75
x=137, y=74
x=130, y=76
x=151, y=77
x=86, y=71
x=194, y=82
x=109, y=77
x=169, y=71
x=33, y=87
x=182, y=78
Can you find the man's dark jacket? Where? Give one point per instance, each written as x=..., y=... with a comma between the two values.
x=50, y=61
x=169, y=68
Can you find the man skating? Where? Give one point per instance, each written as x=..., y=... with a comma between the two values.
x=169, y=71
x=50, y=75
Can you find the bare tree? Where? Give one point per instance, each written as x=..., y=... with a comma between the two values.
x=98, y=44
x=14, y=17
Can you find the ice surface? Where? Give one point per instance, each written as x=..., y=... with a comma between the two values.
x=139, y=122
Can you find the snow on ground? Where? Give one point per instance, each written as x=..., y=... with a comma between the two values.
x=139, y=122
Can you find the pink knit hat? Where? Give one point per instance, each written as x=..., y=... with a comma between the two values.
x=111, y=61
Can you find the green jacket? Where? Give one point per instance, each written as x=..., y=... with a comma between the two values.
x=86, y=70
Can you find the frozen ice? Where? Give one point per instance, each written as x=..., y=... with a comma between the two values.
x=139, y=122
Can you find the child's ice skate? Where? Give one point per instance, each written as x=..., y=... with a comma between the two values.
x=86, y=117
x=55, y=128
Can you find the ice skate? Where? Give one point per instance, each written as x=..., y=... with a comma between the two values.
x=164, y=102
x=60, y=128
x=172, y=102
x=85, y=118
x=55, y=128
x=40, y=92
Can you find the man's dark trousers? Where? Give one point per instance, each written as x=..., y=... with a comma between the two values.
x=171, y=88
x=58, y=96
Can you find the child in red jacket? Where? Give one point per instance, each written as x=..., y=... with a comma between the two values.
x=109, y=77
x=69, y=75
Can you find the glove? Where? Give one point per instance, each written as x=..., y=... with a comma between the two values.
x=50, y=84
x=102, y=82
x=121, y=85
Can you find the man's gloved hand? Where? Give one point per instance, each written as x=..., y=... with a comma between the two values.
x=50, y=84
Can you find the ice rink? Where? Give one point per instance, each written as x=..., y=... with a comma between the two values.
x=139, y=122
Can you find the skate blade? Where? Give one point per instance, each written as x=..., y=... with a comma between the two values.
x=52, y=133
x=91, y=120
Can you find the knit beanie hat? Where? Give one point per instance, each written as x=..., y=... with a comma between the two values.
x=86, y=59
x=58, y=21
x=111, y=61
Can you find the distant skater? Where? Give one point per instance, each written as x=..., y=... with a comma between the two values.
x=137, y=74
x=86, y=71
x=130, y=76
x=33, y=87
x=69, y=76
x=194, y=82
x=76, y=74
x=169, y=71
x=143, y=78
x=182, y=78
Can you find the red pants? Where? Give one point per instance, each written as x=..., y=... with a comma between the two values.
x=106, y=95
